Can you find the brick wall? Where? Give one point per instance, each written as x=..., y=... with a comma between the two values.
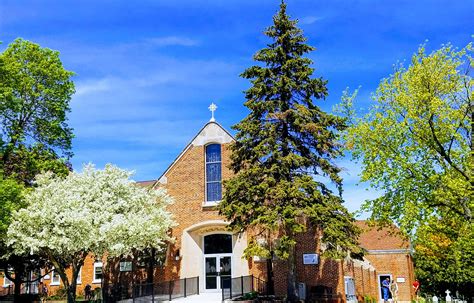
x=365, y=282
x=87, y=272
x=327, y=273
x=186, y=184
x=399, y=265
x=330, y=273
x=86, y=278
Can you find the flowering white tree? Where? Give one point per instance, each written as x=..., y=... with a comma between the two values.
x=101, y=212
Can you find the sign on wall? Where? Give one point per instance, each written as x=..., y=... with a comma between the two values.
x=310, y=259
x=125, y=266
x=400, y=280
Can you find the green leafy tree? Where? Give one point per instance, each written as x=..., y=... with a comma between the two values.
x=283, y=156
x=15, y=267
x=444, y=256
x=415, y=146
x=11, y=199
x=25, y=162
x=35, y=91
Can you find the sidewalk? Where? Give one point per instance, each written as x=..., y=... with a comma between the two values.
x=215, y=297
x=202, y=298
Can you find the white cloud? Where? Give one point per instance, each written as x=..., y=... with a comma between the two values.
x=131, y=115
x=152, y=134
x=93, y=86
x=310, y=20
x=172, y=41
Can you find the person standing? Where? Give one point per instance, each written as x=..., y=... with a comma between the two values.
x=394, y=291
x=386, y=289
x=416, y=288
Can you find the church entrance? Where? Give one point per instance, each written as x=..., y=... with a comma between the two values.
x=217, y=261
x=218, y=272
x=382, y=288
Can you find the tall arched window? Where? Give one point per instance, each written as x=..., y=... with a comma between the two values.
x=213, y=173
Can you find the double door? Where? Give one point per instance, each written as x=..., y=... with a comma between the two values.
x=218, y=271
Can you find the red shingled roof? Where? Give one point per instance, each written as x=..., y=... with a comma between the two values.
x=373, y=238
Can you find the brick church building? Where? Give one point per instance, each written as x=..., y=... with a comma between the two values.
x=204, y=248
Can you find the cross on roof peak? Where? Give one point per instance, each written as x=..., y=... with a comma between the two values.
x=212, y=108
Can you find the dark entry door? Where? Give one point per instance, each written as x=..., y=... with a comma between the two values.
x=218, y=272
x=217, y=261
x=381, y=287
x=225, y=271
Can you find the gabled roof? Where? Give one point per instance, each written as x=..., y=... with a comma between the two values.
x=211, y=132
x=374, y=238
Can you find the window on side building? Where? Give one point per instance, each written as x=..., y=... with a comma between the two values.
x=213, y=174
x=79, y=276
x=97, y=278
x=55, y=278
x=7, y=282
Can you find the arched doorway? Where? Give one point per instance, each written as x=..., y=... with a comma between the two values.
x=217, y=250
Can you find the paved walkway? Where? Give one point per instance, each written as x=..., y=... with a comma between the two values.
x=201, y=298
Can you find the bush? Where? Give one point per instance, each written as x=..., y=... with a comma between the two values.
x=369, y=299
x=59, y=295
x=250, y=296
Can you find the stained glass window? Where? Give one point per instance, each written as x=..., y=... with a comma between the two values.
x=213, y=173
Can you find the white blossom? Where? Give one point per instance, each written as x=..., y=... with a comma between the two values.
x=98, y=211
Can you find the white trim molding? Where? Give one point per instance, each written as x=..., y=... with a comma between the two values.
x=79, y=277
x=55, y=282
x=388, y=251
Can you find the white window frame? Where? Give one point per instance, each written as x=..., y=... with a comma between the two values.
x=54, y=283
x=206, y=202
x=94, y=280
x=79, y=277
x=6, y=282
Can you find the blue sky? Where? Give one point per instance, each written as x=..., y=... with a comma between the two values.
x=146, y=71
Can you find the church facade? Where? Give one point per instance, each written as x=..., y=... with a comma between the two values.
x=204, y=248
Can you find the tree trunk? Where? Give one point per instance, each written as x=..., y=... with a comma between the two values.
x=71, y=293
x=17, y=281
x=291, y=290
x=17, y=291
x=151, y=264
x=71, y=288
x=76, y=265
x=270, y=281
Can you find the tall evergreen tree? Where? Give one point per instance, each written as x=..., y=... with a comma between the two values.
x=283, y=155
